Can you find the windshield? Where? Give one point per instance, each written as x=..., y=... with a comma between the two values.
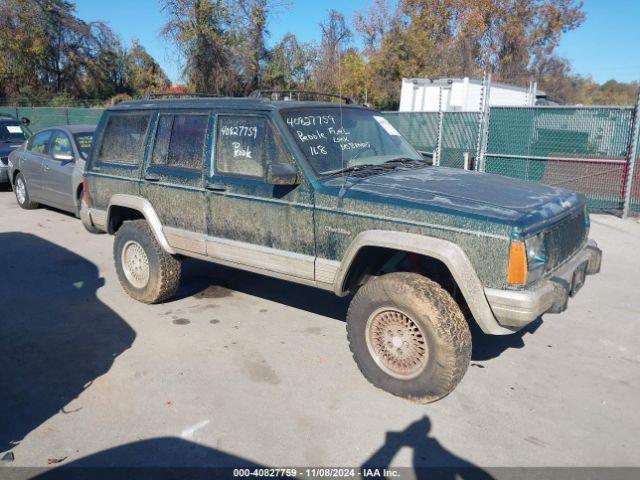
x=336, y=139
x=12, y=132
x=83, y=141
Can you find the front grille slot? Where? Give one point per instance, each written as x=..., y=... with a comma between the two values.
x=565, y=239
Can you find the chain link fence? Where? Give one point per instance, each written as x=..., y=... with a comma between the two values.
x=419, y=128
x=579, y=148
x=635, y=181
x=585, y=149
x=459, y=137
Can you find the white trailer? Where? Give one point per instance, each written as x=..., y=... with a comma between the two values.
x=463, y=94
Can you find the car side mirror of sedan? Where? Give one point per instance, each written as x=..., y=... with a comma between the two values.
x=63, y=157
x=281, y=174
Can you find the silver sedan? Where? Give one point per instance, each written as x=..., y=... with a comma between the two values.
x=48, y=168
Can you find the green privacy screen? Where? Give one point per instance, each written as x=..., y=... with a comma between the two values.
x=584, y=149
x=45, y=117
x=419, y=128
x=578, y=148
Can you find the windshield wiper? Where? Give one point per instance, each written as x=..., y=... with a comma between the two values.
x=381, y=167
x=405, y=161
x=351, y=169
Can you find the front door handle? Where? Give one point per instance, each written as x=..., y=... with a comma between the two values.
x=152, y=177
x=45, y=167
x=216, y=187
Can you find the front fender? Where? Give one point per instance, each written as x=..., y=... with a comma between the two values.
x=443, y=250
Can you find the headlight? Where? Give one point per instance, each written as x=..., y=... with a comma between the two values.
x=536, y=257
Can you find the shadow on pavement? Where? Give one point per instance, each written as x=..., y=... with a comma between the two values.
x=486, y=347
x=164, y=457
x=429, y=458
x=56, y=336
x=198, y=276
x=173, y=457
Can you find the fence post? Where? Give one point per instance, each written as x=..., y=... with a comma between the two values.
x=483, y=127
x=633, y=154
x=436, y=160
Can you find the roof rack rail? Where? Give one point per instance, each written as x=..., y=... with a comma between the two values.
x=153, y=96
x=295, y=95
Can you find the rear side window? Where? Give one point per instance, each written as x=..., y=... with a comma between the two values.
x=241, y=145
x=180, y=141
x=60, y=144
x=123, y=138
x=83, y=141
x=40, y=143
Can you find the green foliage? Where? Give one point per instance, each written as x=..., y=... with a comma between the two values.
x=203, y=30
x=50, y=56
x=289, y=64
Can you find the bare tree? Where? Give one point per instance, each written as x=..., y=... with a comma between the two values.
x=202, y=30
x=335, y=36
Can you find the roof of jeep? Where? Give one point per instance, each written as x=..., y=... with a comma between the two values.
x=224, y=102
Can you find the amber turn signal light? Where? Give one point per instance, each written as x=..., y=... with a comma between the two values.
x=517, y=264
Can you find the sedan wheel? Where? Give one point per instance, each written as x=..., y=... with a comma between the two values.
x=21, y=190
x=22, y=193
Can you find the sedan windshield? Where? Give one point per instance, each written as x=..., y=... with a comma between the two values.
x=12, y=132
x=337, y=140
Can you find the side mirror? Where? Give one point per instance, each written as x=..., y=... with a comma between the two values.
x=63, y=157
x=282, y=174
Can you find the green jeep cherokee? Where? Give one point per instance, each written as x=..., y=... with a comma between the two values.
x=332, y=196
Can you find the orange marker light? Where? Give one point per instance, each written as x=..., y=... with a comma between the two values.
x=517, y=264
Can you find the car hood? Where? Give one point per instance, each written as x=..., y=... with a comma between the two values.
x=508, y=200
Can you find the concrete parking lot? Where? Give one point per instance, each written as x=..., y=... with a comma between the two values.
x=240, y=368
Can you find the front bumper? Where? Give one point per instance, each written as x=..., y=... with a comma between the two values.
x=516, y=308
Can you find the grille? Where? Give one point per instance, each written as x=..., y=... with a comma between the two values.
x=565, y=239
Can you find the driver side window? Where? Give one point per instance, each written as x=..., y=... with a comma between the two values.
x=40, y=143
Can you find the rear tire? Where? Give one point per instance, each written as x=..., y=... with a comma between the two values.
x=409, y=337
x=22, y=193
x=146, y=272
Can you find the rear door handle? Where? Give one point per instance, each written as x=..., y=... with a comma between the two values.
x=152, y=177
x=216, y=187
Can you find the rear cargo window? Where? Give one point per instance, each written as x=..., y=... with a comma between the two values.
x=180, y=141
x=123, y=138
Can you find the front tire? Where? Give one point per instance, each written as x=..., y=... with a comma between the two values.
x=146, y=272
x=409, y=337
x=22, y=193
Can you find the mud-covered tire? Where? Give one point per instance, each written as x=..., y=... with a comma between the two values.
x=22, y=193
x=164, y=270
x=434, y=319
